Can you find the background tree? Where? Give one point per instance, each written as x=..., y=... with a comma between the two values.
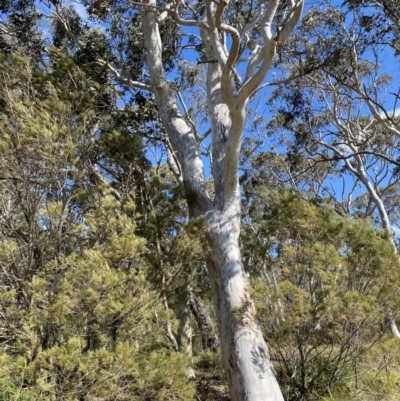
x=343, y=110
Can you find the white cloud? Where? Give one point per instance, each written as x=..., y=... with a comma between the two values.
x=391, y=114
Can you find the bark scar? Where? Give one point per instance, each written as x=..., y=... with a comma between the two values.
x=223, y=132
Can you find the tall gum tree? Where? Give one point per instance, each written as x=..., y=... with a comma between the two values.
x=225, y=43
x=245, y=354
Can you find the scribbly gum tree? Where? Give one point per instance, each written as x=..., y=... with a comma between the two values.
x=245, y=355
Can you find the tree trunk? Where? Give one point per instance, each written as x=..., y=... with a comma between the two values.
x=393, y=325
x=209, y=338
x=185, y=335
x=244, y=352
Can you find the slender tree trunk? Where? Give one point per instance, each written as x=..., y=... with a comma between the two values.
x=393, y=325
x=209, y=338
x=185, y=335
x=185, y=329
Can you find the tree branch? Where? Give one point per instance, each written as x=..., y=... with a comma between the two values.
x=180, y=133
x=174, y=13
x=227, y=81
x=291, y=23
x=253, y=79
x=122, y=80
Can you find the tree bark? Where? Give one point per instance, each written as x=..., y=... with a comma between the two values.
x=393, y=325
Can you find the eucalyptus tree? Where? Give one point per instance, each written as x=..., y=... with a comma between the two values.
x=343, y=110
x=380, y=15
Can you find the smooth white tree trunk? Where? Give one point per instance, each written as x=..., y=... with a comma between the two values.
x=244, y=352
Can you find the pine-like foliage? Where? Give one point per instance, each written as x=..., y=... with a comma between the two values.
x=78, y=318
x=323, y=284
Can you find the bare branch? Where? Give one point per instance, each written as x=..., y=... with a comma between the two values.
x=205, y=135
x=266, y=56
x=123, y=80
x=173, y=161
